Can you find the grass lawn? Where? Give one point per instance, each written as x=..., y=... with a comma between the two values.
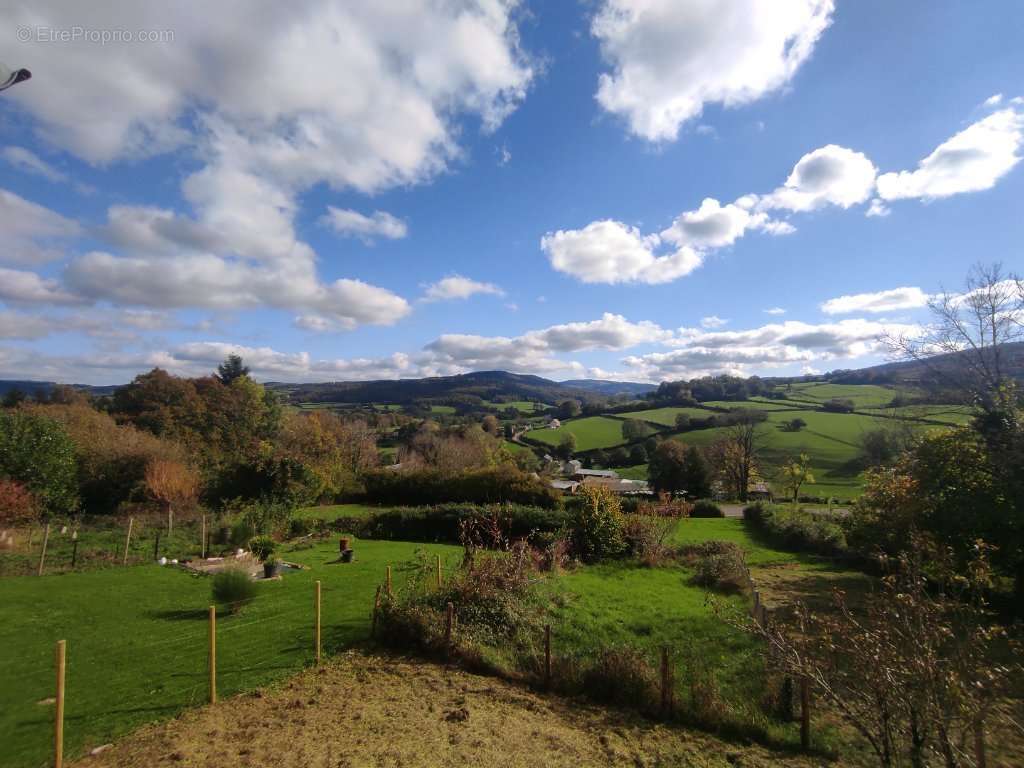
x=862, y=395
x=137, y=641
x=523, y=406
x=591, y=432
x=449, y=409
x=955, y=415
x=636, y=472
x=515, y=448
x=755, y=405
x=666, y=416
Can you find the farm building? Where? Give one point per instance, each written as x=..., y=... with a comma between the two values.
x=618, y=485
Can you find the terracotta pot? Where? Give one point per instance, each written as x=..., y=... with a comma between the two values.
x=343, y=543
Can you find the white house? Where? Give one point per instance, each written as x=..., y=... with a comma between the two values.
x=554, y=424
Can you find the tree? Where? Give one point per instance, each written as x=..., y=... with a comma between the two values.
x=736, y=455
x=637, y=455
x=682, y=422
x=490, y=424
x=171, y=483
x=635, y=429
x=18, y=506
x=696, y=473
x=794, y=425
x=619, y=457
x=666, y=470
x=13, y=398
x=36, y=453
x=232, y=368
x=597, y=524
x=912, y=673
x=567, y=446
x=795, y=473
x=568, y=409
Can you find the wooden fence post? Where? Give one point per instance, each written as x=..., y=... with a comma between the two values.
x=666, y=684
x=389, y=581
x=547, y=656
x=156, y=546
x=376, y=608
x=31, y=536
x=204, y=539
x=58, y=717
x=42, y=553
x=213, y=654
x=127, y=541
x=805, y=713
x=448, y=625
x=317, y=633
x=440, y=580
x=74, y=549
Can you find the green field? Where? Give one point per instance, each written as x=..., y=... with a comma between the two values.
x=136, y=641
x=956, y=415
x=755, y=404
x=666, y=417
x=591, y=432
x=515, y=448
x=523, y=406
x=442, y=409
x=862, y=395
x=636, y=472
x=832, y=440
x=331, y=512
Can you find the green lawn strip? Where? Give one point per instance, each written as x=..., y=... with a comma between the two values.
x=137, y=640
x=331, y=512
x=637, y=472
x=591, y=432
x=757, y=405
x=862, y=395
x=516, y=447
x=954, y=415
x=443, y=409
x=664, y=416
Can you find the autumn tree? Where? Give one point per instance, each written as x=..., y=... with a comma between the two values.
x=736, y=456
x=171, y=483
x=36, y=453
x=795, y=473
x=567, y=446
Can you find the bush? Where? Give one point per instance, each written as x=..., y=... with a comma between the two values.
x=262, y=547
x=481, y=486
x=718, y=565
x=705, y=508
x=36, y=452
x=597, y=525
x=17, y=504
x=798, y=530
x=647, y=536
x=622, y=677
x=241, y=533
x=233, y=588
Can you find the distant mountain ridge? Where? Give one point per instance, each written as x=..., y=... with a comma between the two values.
x=604, y=387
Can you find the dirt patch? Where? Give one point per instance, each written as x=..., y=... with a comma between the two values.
x=365, y=710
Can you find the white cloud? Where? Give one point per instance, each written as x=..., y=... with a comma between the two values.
x=972, y=160
x=994, y=100
x=830, y=175
x=613, y=252
x=713, y=321
x=29, y=162
x=20, y=287
x=878, y=209
x=698, y=353
x=32, y=234
x=458, y=287
x=775, y=311
x=349, y=223
x=880, y=301
x=668, y=58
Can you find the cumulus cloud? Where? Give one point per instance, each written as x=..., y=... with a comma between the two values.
x=830, y=175
x=28, y=161
x=612, y=252
x=32, y=234
x=20, y=287
x=458, y=287
x=698, y=353
x=715, y=226
x=668, y=59
x=349, y=223
x=775, y=311
x=970, y=161
x=879, y=301
x=713, y=321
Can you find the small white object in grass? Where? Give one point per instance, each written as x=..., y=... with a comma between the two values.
x=63, y=530
x=239, y=553
x=101, y=748
x=162, y=561
x=174, y=562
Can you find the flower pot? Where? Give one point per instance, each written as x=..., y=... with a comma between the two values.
x=343, y=544
x=270, y=570
x=346, y=555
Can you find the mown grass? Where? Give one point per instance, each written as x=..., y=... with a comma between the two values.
x=756, y=404
x=137, y=640
x=862, y=395
x=591, y=432
x=331, y=512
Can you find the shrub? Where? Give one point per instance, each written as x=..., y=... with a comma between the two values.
x=718, y=565
x=621, y=677
x=262, y=547
x=241, y=532
x=705, y=508
x=17, y=504
x=646, y=537
x=597, y=525
x=798, y=530
x=233, y=588
x=481, y=486
x=36, y=452
x=444, y=522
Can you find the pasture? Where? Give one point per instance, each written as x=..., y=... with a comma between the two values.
x=591, y=432
x=137, y=635
x=665, y=417
x=862, y=395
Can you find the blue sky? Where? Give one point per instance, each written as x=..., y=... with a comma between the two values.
x=619, y=189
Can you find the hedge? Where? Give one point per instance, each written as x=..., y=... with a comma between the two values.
x=500, y=485
x=441, y=523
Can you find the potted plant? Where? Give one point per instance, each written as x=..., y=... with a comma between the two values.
x=262, y=547
x=271, y=567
